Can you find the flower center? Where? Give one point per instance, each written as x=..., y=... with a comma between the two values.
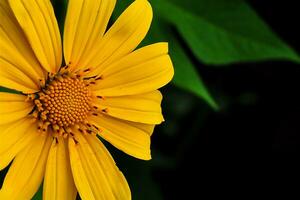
x=64, y=101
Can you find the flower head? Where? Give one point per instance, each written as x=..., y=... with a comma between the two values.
x=49, y=130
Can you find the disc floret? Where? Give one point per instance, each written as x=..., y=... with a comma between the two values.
x=65, y=101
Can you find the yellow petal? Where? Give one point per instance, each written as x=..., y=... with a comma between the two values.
x=147, y=128
x=37, y=19
x=17, y=60
x=58, y=182
x=142, y=71
x=143, y=108
x=13, y=34
x=95, y=173
x=123, y=37
x=27, y=170
x=3, y=195
x=13, y=107
x=85, y=25
x=127, y=137
x=14, y=137
x=13, y=72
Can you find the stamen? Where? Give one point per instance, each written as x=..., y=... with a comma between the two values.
x=99, y=78
x=76, y=142
x=64, y=103
x=105, y=110
x=30, y=97
x=42, y=82
x=96, y=128
x=101, y=97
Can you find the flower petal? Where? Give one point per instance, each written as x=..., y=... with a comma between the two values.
x=27, y=170
x=143, y=108
x=20, y=70
x=58, y=182
x=3, y=195
x=37, y=19
x=13, y=107
x=85, y=25
x=95, y=173
x=144, y=70
x=123, y=37
x=12, y=72
x=125, y=136
x=147, y=128
x=15, y=137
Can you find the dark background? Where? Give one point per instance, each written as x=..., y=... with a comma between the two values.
x=252, y=143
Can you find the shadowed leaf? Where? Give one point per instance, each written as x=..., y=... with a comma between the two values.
x=223, y=31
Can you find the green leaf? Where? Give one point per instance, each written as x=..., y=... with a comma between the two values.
x=39, y=194
x=2, y=89
x=186, y=75
x=223, y=31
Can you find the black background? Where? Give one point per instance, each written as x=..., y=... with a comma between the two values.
x=251, y=146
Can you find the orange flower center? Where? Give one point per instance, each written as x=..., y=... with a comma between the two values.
x=65, y=102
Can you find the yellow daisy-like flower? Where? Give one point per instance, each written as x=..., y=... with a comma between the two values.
x=107, y=88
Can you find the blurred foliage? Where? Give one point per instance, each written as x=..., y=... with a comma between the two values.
x=222, y=32
x=216, y=33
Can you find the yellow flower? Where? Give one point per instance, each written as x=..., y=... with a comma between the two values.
x=106, y=88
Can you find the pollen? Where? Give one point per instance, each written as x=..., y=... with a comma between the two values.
x=64, y=102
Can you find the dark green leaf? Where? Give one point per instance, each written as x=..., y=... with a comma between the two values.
x=223, y=31
x=2, y=89
x=186, y=76
x=39, y=194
